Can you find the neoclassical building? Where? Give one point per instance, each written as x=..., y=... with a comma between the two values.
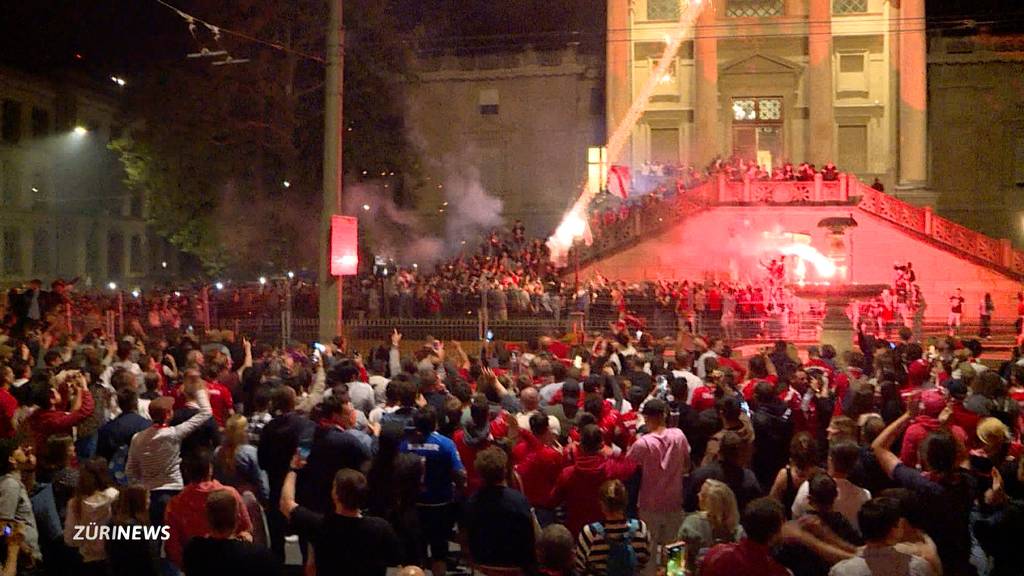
x=64, y=212
x=778, y=80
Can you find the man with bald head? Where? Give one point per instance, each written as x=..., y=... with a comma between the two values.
x=529, y=402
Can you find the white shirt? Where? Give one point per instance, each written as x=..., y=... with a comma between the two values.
x=851, y=497
x=701, y=370
x=692, y=383
x=523, y=419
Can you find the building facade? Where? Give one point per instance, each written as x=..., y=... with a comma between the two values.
x=517, y=123
x=64, y=212
x=976, y=131
x=777, y=81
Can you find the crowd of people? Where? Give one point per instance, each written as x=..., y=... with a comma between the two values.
x=625, y=456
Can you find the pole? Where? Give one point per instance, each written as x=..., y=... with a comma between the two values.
x=330, y=287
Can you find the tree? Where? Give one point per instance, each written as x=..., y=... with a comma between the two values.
x=230, y=156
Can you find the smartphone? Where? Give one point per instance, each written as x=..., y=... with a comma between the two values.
x=8, y=529
x=577, y=362
x=319, y=347
x=639, y=334
x=489, y=336
x=675, y=559
x=305, y=446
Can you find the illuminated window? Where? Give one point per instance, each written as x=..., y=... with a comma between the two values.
x=744, y=110
x=769, y=109
x=849, y=6
x=754, y=8
x=662, y=9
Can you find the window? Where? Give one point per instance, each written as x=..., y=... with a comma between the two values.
x=1018, y=161
x=757, y=110
x=10, y=182
x=488, y=102
x=662, y=9
x=40, y=123
x=11, y=119
x=41, y=252
x=853, y=73
x=853, y=148
x=115, y=254
x=135, y=256
x=849, y=6
x=753, y=8
x=12, y=251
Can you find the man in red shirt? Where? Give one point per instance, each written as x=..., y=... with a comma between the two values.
x=539, y=461
x=473, y=437
x=8, y=404
x=762, y=522
x=48, y=420
x=578, y=485
x=186, y=513
x=918, y=369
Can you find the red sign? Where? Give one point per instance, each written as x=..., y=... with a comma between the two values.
x=344, y=245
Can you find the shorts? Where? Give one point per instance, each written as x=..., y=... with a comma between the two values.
x=436, y=523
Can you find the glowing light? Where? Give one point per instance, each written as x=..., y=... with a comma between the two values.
x=415, y=265
x=348, y=260
x=666, y=79
x=219, y=285
x=263, y=280
x=112, y=285
x=80, y=131
x=136, y=293
x=177, y=294
x=286, y=184
x=34, y=189
x=291, y=274
x=366, y=207
x=823, y=265
x=163, y=264
x=118, y=80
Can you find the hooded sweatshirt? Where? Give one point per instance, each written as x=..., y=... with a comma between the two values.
x=578, y=485
x=538, y=466
x=470, y=440
x=918, y=430
x=663, y=457
x=95, y=511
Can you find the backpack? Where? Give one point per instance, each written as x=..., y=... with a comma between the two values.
x=622, y=560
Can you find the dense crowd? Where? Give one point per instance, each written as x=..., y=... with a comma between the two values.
x=620, y=457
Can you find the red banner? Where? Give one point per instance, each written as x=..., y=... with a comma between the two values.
x=344, y=245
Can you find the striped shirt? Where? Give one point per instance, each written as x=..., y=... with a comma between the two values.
x=154, y=456
x=592, y=548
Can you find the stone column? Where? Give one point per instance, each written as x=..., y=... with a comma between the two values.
x=618, y=82
x=821, y=144
x=913, y=72
x=706, y=127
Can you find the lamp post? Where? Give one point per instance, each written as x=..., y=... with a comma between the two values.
x=330, y=287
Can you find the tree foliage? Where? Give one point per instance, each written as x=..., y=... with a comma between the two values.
x=215, y=144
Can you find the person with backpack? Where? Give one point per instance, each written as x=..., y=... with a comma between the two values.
x=616, y=545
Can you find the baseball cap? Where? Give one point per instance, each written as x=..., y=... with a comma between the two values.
x=932, y=402
x=992, y=431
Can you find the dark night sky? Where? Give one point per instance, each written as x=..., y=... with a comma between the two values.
x=124, y=36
